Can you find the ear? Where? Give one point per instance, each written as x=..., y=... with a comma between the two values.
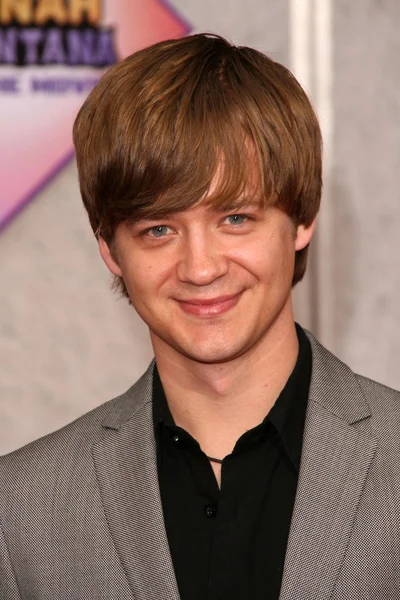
x=304, y=235
x=108, y=258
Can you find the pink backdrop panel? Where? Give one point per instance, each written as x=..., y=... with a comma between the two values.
x=37, y=114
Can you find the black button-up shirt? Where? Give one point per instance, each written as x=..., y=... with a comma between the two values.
x=230, y=543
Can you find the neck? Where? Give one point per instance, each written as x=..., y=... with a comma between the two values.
x=217, y=403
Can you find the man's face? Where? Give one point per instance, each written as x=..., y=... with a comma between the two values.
x=208, y=284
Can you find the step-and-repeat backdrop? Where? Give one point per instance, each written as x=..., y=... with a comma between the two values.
x=66, y=342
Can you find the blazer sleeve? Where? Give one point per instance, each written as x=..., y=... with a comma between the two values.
x=8, y=583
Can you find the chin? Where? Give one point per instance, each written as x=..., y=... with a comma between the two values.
x=207, y=347
x=212, y=355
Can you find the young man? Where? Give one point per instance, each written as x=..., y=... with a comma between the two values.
x=247, y=462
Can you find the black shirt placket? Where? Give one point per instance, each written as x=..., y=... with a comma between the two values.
x=231, y=543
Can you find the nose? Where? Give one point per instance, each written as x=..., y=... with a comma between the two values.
x=202, y=261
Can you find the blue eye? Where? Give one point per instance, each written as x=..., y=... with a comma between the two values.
x=159, y=231
x=236, y=219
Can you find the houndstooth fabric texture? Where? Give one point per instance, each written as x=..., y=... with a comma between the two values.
x=81, y=515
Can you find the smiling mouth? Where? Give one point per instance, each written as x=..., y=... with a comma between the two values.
x=209, y=307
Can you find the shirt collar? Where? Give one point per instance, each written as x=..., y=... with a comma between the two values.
x=289, y=411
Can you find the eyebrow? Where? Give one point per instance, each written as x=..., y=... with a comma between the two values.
x=237, y=204
x=241, y=203
x=154, y=217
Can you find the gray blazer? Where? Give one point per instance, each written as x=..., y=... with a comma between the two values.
x=81, y=516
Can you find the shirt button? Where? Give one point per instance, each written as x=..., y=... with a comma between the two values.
x=210, y=510
x=176, y=439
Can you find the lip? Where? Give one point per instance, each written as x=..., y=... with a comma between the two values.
x=209, y=307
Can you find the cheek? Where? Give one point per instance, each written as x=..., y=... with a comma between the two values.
x=267, y=261
x=144, y=275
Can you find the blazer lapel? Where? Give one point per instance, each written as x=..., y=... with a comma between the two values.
x=126, y=469
x=335, y=462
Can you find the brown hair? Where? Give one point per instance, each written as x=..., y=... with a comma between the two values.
x=154, y=132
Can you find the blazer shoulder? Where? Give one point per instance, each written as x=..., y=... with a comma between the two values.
x=383, y=400
x=77, y=438
x=352, y=397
